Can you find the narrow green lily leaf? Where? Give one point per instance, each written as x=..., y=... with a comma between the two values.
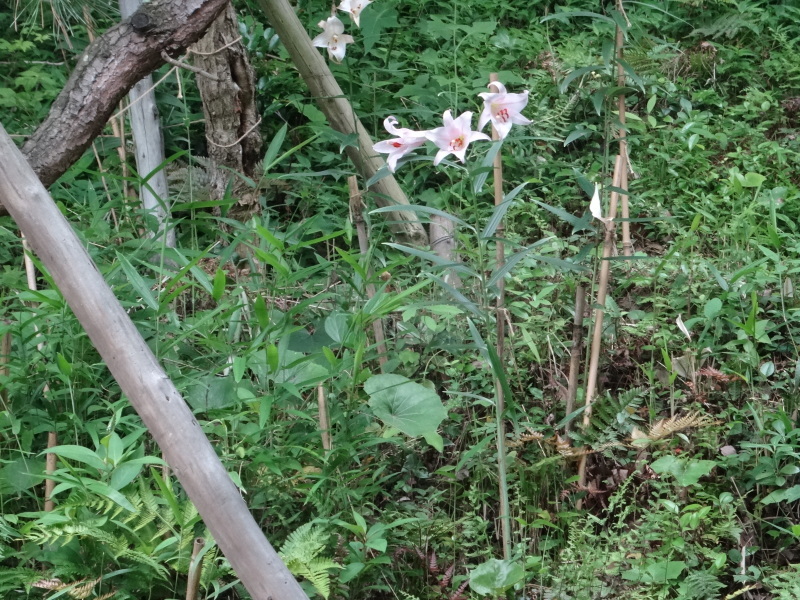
x=500, y=211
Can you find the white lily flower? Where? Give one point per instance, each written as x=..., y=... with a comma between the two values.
x=502, y=109
x=333, y=38
x=682, y=326
x=405, y=141
x=596, y=208
x=354, y=7
x=455, y=136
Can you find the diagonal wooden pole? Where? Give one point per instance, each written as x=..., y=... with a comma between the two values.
x=143, y=381
x=332, y=101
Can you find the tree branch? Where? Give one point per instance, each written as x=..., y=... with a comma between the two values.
x=109, y=67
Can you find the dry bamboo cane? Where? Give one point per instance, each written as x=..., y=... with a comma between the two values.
x=195, y=569
x=575, y=351
x=599, y=310
x=52, y=436
x=5, y=358
x=627, y=245
x=357, y=214
x=505, y=523
x=324, y=421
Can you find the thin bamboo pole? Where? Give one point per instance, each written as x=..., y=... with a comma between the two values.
x=575, y=351
x=622, y=134
x=52, y=436
x=599, y=310
x=357, y=215
x=195, y=569
x=324, y=421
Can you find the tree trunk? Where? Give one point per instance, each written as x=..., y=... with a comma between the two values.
x=143, y=381
x=230, y=111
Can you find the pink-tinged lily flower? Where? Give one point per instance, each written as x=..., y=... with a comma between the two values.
x=502, y=109
x=354, y=7
x=455, y=136
x=333, y=38
x=405, y=141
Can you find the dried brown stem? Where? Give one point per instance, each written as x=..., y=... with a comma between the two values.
x=357, y=214
x=576, y=350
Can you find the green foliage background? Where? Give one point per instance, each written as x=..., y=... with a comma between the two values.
x=257, y=314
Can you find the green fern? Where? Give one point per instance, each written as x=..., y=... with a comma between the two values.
x=301, y=552
x=732, y=24
x=701, y=585
x=612, y=419
x=785, y=585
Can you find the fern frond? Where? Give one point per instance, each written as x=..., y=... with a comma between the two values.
x=667, y=427
x=144, y=559
x=301, y=552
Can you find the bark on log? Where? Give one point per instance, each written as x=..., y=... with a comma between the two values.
x=143, y=381
x=109, y=67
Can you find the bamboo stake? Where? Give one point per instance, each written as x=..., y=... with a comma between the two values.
x=599, y=311
x=500, y=320
x=357, y=215
x=332, y=101
x=195, y=569
x=575, y=351
x=622, y=134
x=5, y=358
x=324, y=421
x=52, y=436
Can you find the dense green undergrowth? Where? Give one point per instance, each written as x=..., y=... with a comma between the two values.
x=692, y=489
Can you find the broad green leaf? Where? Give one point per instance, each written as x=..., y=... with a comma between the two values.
x=80, y=454
x=435, y=259
x=500, y=211
x=686, y=471
x=791, y=494
x=408, y=406
x=665, y=570
x=415, y=208
x=485, y=167
x=753, y=180
x=712, y=308
x=337, y=326
x=274, y=148
x=494, y=577
x=21, y=474
x=435, y=440
x=219, y=285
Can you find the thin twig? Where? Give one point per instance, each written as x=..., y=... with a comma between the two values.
x=183, y=65
x=228, y=45
x=575, y=352
x=152, y=87
x=244, y=135
x=357, y=216
x=324, y=422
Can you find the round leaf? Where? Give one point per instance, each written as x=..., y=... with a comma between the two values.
x=410, y=407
